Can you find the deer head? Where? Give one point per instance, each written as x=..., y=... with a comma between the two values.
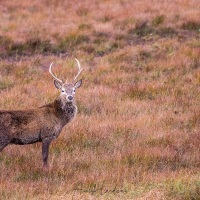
x=67, y=89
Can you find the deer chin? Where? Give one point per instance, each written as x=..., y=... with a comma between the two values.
x=69, y=101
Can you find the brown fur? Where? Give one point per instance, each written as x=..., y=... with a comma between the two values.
x=43, y=124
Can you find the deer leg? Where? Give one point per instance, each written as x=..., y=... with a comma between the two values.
x=45, y=151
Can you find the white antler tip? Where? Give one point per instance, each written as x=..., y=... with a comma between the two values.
x=50, y=66
x=79, y=65
x=79, y=68
x=50, y=71
x=77, y=61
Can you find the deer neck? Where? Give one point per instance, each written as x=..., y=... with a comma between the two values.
x=66, y=111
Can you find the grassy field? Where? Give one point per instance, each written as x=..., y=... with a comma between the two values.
x=137, y=132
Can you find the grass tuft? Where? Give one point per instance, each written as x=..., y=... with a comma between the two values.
x=142, y=29
x=6, y=83
x=183, y=190
x=191, y=25
x=71, y=41
x=158, y=20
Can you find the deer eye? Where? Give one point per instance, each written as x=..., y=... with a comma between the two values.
x=63, y=90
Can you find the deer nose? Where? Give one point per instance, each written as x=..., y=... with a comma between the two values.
x=70, y=97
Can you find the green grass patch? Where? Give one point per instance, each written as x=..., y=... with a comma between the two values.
x=71, y=41
x=88, y=48
x=100, y=37
x=7, y=69
x=81, y=165
x=106, y=18
x=166, y=31
x=82, y=11
x=191, y=25
x=183, y=189
x=36, y=45
x=34, y=175
x=84, y=26
x=155, y=162
x=122, y=62
x=6, y=83
x=142, y=29
x=106, y=48
x=85, y=109
x=158, y=20
x=147, y=93
x=158, y=142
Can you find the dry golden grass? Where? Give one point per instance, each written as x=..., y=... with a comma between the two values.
x=137, y=133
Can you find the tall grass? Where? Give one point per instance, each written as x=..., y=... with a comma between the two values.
x=136, y=135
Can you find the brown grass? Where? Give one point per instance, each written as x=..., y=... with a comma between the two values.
x=136, y=135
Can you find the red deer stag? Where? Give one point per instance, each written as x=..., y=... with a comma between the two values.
x=42, y=124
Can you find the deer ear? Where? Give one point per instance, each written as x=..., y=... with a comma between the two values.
x=57, y=84
x=78, y=84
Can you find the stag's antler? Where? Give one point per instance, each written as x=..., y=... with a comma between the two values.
x=50, y=71
x=79, y=69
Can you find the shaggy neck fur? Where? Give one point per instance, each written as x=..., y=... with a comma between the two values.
x=64, y=110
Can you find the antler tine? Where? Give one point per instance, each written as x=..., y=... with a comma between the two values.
x=50, y=71
x=79, y=69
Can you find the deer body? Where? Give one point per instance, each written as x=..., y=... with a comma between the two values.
x=30, y=126
x=43, y=124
